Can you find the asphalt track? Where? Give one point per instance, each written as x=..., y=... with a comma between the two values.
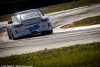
x=57, y=39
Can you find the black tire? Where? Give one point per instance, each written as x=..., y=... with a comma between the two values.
x=43, y=33
x=12, y=35
x=8, y=34
x=49, y=32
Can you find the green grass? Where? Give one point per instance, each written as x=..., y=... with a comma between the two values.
x=69, y=5
x=88, y=21
x=84, y=22
x=59, y=7
x=85, y=55
x=5, y=17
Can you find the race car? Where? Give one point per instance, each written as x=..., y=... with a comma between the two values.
x=28, y=22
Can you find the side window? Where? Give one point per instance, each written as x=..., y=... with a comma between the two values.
x=15, y=19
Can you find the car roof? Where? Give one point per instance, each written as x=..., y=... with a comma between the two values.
x=23, y=12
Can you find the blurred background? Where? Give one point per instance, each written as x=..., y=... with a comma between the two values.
x=12, y=6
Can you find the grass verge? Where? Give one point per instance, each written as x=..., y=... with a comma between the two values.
x=84, y=22
x=59, y=7
x=69, y=5
x=5, y=17
x=80, y=55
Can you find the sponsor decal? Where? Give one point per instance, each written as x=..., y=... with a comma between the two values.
x=34, y=28
x=43, y=26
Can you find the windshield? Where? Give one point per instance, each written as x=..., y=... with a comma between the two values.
x=30, y=15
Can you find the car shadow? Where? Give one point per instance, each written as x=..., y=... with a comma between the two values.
x=31, y=36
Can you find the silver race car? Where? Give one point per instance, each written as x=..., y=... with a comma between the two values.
x=28, y=22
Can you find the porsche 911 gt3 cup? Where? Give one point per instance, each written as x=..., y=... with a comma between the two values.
x=28, y=22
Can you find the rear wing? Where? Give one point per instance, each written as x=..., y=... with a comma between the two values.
x=26, y=11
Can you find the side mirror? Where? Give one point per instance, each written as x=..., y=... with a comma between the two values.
x=10, y=22
x=43, y=14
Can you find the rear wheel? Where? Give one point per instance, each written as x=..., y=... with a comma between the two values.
x=49, y=32
x=8, y=34
x=12, y=36
x=43, y=33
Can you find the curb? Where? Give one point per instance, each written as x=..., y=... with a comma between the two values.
x=76, y=28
